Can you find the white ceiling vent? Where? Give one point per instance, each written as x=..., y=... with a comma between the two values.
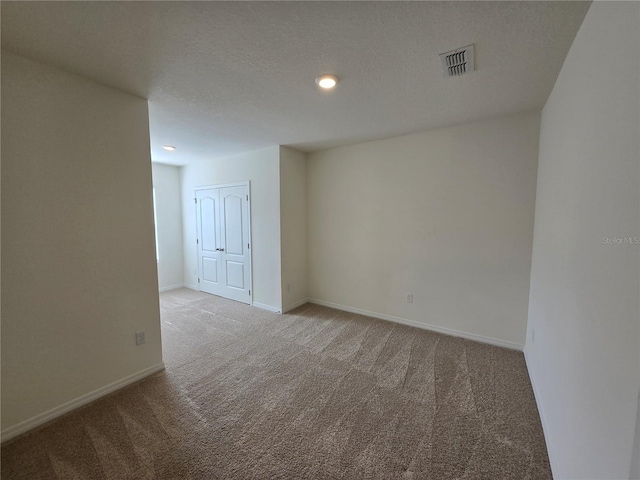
x=457, y=62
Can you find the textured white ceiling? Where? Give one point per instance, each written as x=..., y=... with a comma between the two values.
x=226, y=77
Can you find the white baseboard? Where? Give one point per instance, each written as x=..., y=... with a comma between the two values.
x=425, y=326
x=45, y=417
x=191, y=287
x=171, y=287
x=295, y=305
x=552, y=462
x=264, y=306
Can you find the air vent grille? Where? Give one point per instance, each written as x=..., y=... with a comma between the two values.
x=458, y=62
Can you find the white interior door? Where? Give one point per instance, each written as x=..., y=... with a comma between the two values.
x=224, y=257
x=207, y=213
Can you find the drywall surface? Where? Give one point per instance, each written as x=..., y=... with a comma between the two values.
x=293, y=226
x=585, y=359
x=79, y=270
x=445, y=215
x=634, y=471
x=166, y=183
x=262, y=169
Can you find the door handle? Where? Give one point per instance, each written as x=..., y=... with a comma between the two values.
x=219, y=249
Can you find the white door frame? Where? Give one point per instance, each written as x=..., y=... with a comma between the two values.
x=223, y=185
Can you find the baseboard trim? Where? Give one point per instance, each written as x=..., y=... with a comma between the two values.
x=191, y=287
x=264, y=306
x=295, y=305
x=171, y=287
x=425, y=326
x=552, y=462
x=47, y=416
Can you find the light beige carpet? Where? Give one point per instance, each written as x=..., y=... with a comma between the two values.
x=313, y=394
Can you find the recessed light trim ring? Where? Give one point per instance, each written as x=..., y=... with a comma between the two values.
x=327, y=81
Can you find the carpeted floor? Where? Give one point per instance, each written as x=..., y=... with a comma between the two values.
x=313, y=394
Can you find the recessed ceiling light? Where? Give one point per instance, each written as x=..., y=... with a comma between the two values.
x=327, y=82
x=169, y=148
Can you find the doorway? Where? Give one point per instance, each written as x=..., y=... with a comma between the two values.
x=224, y=241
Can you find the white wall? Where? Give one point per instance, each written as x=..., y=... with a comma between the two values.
x=79, y=270
x=446, y=215
x=585, y=359
x=293, y=228
x=634, y=473
x=262, y=168
x=166, y=182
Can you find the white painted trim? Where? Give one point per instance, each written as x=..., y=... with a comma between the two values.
x=425, y=326
x=264, y=306
x=192, y=287
x=295, y=305
x=222, y=185
x=47, y=416
x=171, y=287
x=552, y=461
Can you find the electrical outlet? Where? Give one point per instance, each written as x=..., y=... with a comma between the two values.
x=409, y=297
x=140, y=338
